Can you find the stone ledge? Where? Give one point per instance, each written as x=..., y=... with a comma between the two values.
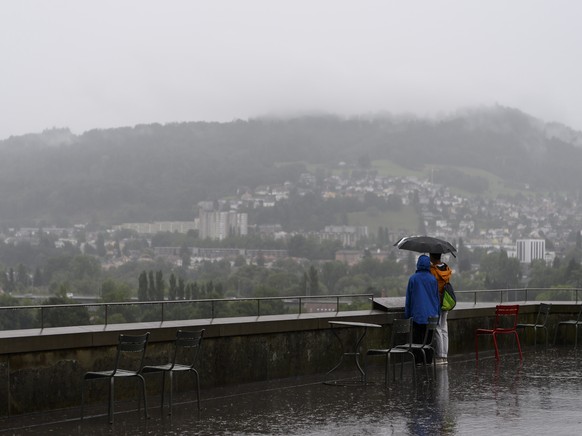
x=62, y=338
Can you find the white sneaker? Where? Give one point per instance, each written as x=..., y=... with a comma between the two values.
x=441, y=361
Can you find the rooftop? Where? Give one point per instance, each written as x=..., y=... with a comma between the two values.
x=541, y=395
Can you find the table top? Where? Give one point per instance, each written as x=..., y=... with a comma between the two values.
x=354, y=324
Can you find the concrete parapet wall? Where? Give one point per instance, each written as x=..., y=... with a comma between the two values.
x=43, y=370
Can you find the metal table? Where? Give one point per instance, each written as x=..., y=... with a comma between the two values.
x=356, y=350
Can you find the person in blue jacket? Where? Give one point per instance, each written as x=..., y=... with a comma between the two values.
x=422, y=301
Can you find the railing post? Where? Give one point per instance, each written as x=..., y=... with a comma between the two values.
x=337, y=305
x=525, y=295
x=42, y=318
x=300, y=305
x=212, y=309
x=475, y=298
x=258, y=307
x=106, y=313
x=163, y=306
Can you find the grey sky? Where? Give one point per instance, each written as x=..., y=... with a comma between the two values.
x=99, y=64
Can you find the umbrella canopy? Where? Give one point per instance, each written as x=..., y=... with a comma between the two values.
x=425, y=244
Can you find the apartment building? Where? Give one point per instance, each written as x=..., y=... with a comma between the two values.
x=530, y=249
x=219, y=224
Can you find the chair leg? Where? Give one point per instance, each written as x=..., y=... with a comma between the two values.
x=197, y=388
x=535, y=336
x=424, y=361
x=518, y=345
x=365, y=369
x=413, y=368
x=495, y=345
x=145, y=400
x=111, y=399
x=82, y=398
x=171, y=390
x=163, y=388
x=476, y=347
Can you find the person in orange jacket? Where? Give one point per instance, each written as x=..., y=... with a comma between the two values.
x=442, y=273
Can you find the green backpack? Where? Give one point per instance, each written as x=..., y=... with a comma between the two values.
x=449, y=297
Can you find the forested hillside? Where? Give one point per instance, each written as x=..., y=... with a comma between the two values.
x=160, y=172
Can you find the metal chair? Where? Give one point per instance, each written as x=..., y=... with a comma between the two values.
x=505, y=323
x=131, y=352
x=540, y=322
x=186, y=346
x=426, y=345
x=401, y=336
x=573, y=322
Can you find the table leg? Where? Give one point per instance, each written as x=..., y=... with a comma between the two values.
x=355, y=353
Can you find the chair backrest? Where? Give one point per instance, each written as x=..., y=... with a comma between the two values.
x=187, y=342
x=543, y=314
x=134, y=345
x=401, y=332
x=506, y=316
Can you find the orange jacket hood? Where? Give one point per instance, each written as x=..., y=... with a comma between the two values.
x=442, y=272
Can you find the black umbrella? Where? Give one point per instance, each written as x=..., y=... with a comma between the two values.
x=425, y=244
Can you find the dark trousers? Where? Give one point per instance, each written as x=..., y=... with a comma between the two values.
x=418, y=332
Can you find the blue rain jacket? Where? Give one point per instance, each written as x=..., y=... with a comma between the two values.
x=422, y=293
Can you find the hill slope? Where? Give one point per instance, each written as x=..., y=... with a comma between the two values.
x=161, y=171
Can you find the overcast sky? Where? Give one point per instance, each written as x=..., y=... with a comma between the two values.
x=99, y=63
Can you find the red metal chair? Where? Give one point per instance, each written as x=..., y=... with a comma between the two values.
x=505, y=323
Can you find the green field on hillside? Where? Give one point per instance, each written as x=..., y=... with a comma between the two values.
x=404, y=221
x=387, y=168
x=497, y=186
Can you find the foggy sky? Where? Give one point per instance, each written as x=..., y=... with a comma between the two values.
x=109, y=63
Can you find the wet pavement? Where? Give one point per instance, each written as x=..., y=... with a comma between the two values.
x=542, y=395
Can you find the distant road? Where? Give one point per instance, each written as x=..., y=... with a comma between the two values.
x=76, y=298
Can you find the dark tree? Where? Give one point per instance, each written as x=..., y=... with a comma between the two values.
x=172, y=289
x=142, y=290
x=160, y=286
x=152, y=293
x=185, y=255
x=181, y=290
x=313, y=281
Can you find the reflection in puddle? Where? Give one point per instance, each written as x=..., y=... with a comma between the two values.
x=540, y=395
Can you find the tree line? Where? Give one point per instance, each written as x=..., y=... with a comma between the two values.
x=67, y=273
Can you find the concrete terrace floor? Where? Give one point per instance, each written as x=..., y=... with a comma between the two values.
x=541, y=395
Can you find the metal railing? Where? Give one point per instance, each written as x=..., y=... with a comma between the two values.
x=523, y=295
x=60, y=315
